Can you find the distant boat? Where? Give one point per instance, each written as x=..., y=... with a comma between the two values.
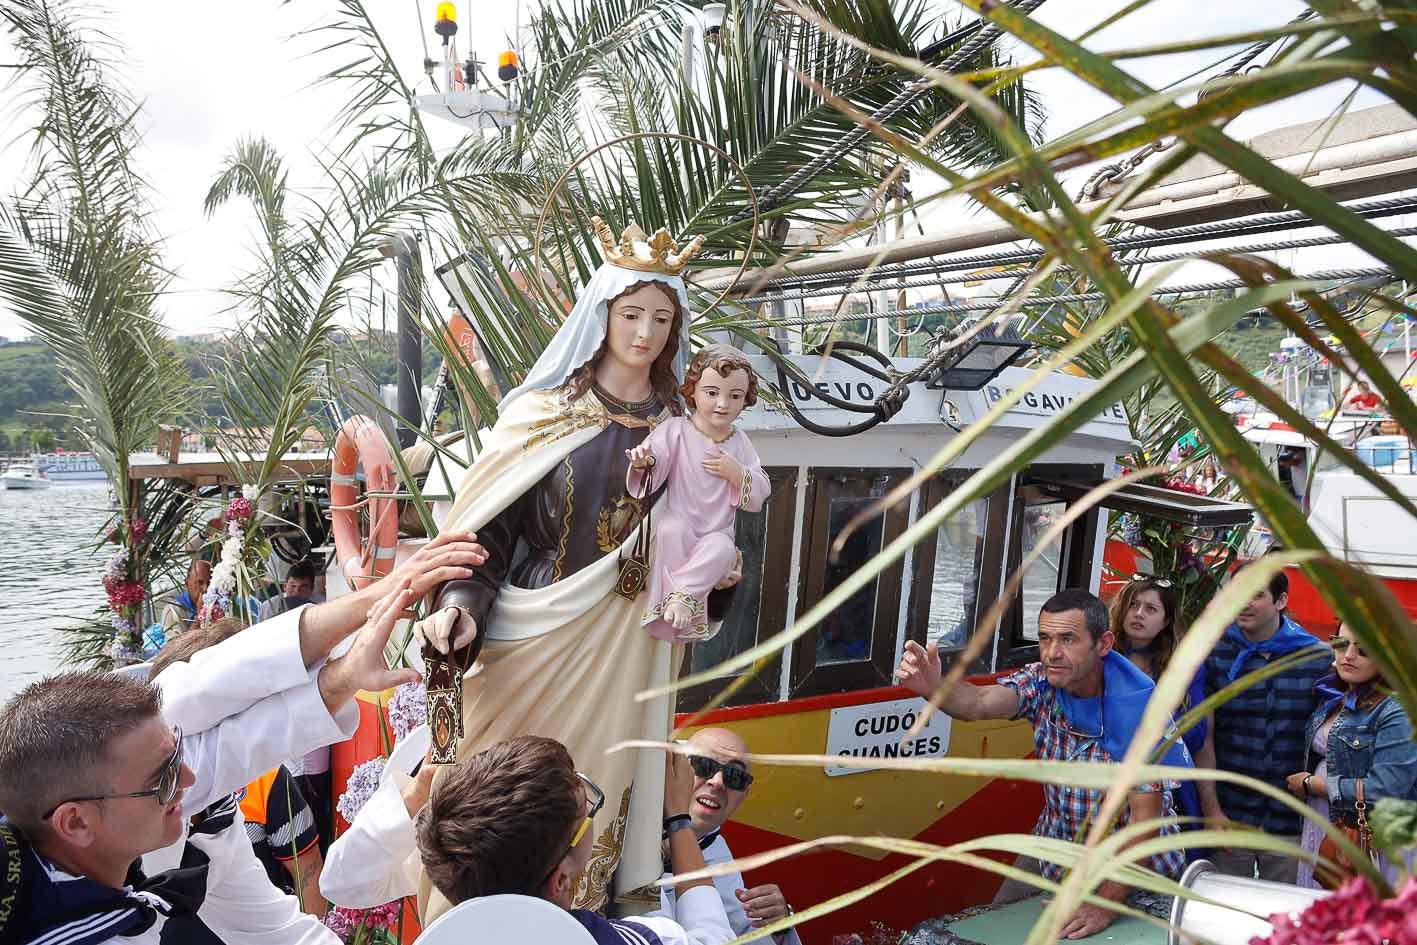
x=69, y=467
x=24, y=476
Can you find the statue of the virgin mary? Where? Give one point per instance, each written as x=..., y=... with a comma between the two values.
x=562, y=652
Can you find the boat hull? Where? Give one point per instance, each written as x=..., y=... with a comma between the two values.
x=18, y=482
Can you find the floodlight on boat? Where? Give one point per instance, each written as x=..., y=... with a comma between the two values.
x=445, y=21
x=714, y=14
x=979, y=360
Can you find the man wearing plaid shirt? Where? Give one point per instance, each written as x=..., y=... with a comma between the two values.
x=1084, y=702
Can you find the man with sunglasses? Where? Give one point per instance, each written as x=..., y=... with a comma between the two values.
x=1085, y=702
x=118, y=793
x=721, y=783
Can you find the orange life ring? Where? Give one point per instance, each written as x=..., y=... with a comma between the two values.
x=361, y=443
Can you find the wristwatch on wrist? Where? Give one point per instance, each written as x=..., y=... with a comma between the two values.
x=1305, y=785
x=676, y=823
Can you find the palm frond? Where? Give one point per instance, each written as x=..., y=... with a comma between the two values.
x=77, y=262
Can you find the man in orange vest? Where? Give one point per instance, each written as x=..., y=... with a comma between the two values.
x=282, y=830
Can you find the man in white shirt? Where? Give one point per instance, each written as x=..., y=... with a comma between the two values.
x=529, y=789
x=721, y=782
x=100, y=776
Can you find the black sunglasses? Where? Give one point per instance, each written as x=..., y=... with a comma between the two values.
x=1340, y=646
x=1148, y=579
x=735, y=776
x=166, y=788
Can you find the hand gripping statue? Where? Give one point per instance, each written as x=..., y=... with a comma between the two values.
x=555, y=610
x=711, y=470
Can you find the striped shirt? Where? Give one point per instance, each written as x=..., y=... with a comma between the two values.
x=1260, y=732
x=1067, y=808
x=279, y=823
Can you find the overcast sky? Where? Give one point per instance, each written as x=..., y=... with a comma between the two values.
x=234, y=71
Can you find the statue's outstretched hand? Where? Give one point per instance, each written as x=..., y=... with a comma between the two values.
x=446, y=630
x=640, y=457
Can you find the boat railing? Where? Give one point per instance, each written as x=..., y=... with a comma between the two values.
x=1389, y=454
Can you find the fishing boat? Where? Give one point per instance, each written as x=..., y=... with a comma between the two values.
x=24, y=476
x=1350, y=514
x=831, y=691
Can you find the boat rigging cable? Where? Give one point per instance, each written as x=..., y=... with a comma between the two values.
x=893, y=398
x=1327, y=275
x=1113, y=173
x=974, y=276
x=1250, y=226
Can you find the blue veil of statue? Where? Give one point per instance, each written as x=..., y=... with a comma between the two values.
x=583, y=331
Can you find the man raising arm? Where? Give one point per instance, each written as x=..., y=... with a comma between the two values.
x=1084, y=702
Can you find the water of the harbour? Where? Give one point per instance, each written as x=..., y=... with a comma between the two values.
x=49, y=573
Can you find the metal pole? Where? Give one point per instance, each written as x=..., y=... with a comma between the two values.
x=902, y=340
x=410, y=375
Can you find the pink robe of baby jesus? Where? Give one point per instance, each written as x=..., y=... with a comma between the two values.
x=693, y=521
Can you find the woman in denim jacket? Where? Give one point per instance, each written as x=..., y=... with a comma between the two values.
x=1359, y=732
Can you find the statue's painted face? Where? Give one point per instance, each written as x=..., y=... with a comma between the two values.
x=718, y=400
x=640, y=322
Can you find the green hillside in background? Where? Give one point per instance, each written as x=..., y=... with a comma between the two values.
x=34, y=399
x=31, y=390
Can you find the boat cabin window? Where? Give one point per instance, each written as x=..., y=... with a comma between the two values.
x=955, y=577
x=853, y=647
x=759, y=603
x=1066, y=561
x=1043, y=579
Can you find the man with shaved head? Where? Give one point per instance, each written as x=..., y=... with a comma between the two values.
x=721, y=782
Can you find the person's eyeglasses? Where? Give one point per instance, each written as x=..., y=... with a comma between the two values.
x=735, y=776
x=165, y=791
x=1340, y=646
x=1149, y=579
x=597, y=801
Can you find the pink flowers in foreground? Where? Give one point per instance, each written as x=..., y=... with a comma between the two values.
x=348, y=924
x=1354, y=915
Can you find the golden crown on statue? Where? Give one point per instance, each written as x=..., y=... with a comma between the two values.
x=658, y=253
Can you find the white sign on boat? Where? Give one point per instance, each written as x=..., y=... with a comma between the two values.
x=876, y=730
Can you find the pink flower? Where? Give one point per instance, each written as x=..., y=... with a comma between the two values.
x=240, y=507
x=138, y=529
x=122, y=593
x=347, y=922
x=1353, y=915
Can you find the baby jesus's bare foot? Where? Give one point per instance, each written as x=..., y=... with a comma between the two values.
x=678, y=614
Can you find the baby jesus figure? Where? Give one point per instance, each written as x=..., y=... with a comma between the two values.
x=712, y=471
